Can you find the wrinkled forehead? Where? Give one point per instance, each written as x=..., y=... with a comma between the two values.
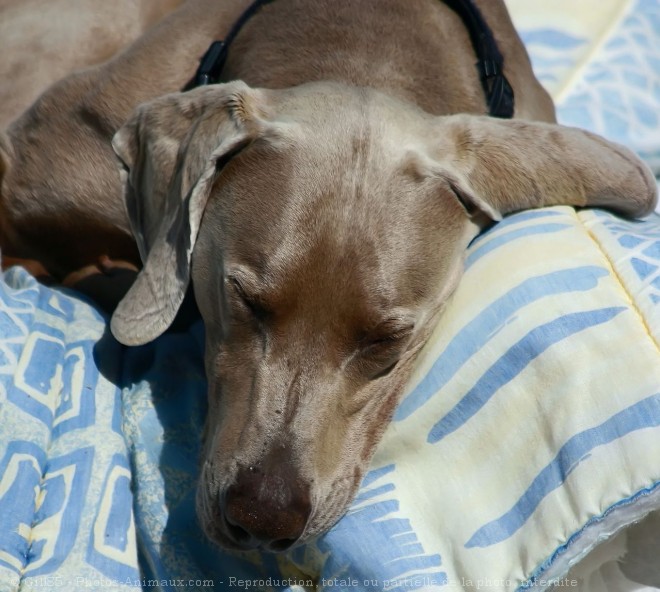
x=335, y=190
x=344, y=122
x=315, y=184
x=329, y=156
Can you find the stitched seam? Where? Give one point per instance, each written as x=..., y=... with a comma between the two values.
x=615, y=274
x=47, y=448
x=39, y=498
x=574, y=538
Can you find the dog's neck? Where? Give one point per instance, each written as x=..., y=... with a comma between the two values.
x=490, y=63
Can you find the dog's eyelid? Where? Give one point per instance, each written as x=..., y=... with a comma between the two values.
x=466, y=202
x=242, y=282
x=379, y=353
x=388, y=333
x=236, y=284
x=385, y=371
x=454, y=186
x=250, y=298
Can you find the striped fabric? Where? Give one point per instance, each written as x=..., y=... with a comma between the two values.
x=529, y=432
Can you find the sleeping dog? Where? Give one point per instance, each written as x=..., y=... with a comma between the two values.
x=320, y=203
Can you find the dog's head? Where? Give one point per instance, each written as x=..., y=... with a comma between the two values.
x=323, y=228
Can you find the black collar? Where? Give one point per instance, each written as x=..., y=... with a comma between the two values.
x=490, y=64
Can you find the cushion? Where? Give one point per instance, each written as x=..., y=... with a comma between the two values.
x=528, y=434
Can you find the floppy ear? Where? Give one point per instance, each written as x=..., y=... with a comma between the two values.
x=498, y=166
x=172, y=149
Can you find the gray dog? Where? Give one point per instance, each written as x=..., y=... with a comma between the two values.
x=321, y=205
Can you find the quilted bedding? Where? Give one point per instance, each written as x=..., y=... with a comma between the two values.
x=529, y=433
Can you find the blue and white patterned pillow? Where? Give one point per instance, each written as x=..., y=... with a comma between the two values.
x=509, y=456
x=530, y=430
x=66, y=517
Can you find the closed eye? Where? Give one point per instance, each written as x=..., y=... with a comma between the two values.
x=250, y=302
x=380, y=352
x=385, y=371
x=387, y=334
x=387, y=340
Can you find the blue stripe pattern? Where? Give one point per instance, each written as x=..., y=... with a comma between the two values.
x=643, y=414
x=401, y=562
x=514, y=361
x=515, y=220
x=487, y=323
x=513, y=235
x=552, y=38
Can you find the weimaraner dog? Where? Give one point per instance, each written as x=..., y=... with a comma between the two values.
x=321, y=203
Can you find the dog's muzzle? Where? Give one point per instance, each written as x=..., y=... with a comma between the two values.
x=268, y=506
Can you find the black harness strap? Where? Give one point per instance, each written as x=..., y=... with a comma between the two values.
x=498, y=91
x=212, y=63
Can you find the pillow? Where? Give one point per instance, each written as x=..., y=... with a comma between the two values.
x=66, y=519
x=530, y=431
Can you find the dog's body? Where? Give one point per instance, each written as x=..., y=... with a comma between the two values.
x=376, y=47
x=337, y=198
x=35, y=53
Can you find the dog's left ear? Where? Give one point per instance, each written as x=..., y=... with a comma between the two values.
x=500, y=166
x=172, y=149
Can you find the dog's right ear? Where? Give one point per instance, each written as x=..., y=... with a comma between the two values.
x=498, y=166
x=172, y=149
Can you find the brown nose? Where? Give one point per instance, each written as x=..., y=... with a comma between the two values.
x=267, y=507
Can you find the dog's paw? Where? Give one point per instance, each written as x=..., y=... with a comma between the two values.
x=32, y=266
x=105, y=282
